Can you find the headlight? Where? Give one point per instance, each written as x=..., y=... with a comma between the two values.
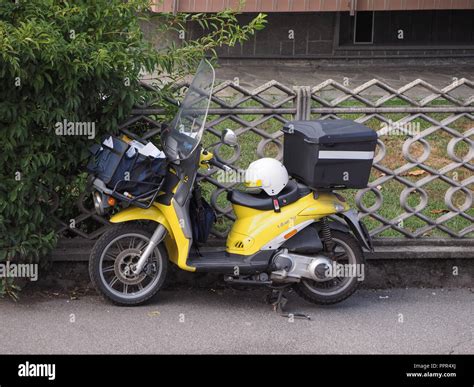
x=98, y=203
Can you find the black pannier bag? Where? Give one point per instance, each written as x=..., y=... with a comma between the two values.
x=329, y=153
x=136, y=175
x=202, y=217
x=106, y=159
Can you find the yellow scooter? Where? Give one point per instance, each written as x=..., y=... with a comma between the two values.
x=277, y=241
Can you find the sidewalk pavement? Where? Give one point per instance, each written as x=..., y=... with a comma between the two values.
x=400, y=321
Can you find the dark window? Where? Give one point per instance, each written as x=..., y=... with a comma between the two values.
x=364, y=27
x=418, y=28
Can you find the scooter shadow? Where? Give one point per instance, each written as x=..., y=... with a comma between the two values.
x=243, y=299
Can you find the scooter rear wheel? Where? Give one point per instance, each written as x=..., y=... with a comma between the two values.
x=332, y=291
x=112, y=259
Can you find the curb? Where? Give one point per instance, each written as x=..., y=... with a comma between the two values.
x=394, y=263
x=78, y=249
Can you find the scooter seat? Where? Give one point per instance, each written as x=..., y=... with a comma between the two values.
x=261, y=201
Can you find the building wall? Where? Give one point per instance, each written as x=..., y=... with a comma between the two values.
x=330, y=35
x=289, y=35
x=307, y=5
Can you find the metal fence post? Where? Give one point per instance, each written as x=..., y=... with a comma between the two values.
x=303, y=103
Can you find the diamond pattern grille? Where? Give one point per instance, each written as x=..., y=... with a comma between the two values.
x=423, y=176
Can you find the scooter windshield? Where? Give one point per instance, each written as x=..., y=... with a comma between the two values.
x=187, y=127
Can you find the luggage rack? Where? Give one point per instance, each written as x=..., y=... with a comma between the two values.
x=144, y=200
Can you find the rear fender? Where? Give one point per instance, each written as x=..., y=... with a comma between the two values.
x=350, y=223
x=357, y=227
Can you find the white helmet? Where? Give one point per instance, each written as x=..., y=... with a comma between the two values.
x=268, y=174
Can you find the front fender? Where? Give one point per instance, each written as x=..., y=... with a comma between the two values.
x=176, y=242
x=136, y=213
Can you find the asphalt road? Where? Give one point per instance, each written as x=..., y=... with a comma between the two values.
x=235, y=321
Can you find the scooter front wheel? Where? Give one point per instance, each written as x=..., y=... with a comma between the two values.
x=113, y=258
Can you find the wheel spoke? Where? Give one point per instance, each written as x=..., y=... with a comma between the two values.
x=131, y=243
x=141, y=245
x=119, y=245
x=108, y=269
x=110, y=256
x=125, y=288
x=113, y=282
x=340, y=255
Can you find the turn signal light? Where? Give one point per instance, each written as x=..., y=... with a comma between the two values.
x=111, y=201
x=290, y=234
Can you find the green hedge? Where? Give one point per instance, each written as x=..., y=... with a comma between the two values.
x=78, y=61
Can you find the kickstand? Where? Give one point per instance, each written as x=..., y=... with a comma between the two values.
x=278, y=301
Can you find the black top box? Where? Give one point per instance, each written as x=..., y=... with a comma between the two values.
x=329, y=154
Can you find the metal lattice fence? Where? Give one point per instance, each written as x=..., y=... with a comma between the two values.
x=423, y=177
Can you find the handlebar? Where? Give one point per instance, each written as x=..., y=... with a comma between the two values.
x=220, y=165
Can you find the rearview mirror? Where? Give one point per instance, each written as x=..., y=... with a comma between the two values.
x=228, y=137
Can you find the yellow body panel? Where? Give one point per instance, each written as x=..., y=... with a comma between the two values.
x=204, y=158
x=176, y=242
x=253, y=228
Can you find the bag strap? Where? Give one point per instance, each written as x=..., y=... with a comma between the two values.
x=197, y=198
x=197, y=194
